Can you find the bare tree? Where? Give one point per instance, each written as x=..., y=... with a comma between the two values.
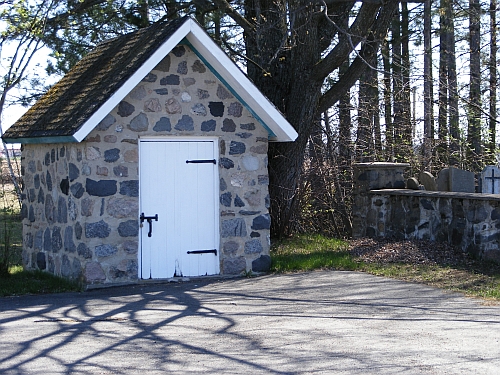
x=19, y=44
x=474, y=144
x=428, y=92
x=493, y=71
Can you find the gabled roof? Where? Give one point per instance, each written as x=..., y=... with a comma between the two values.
x=74, y=106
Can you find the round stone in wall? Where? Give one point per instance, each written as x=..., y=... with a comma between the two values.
x=185, y=97
x=185, y=124
x=106, y=123
x=253, y=247
x=208, y=126
x=235, y=109
x=236, y=148
x=222, y=93
x=261, y=264
x=251, y=163
x=125, y=109
x=105, y=250
x=234, y=266
x=139, y=123
x=199, y=110
x=93, y=273
x=172, y=106
x=163, y=125
x=198, y=67
x=138, y=93
x=152, y=105
x=129, y=228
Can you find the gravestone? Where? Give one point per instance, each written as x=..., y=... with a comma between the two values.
x=461, y=181
x=428, y=180
x=412, y=183
x=443, y=180
x=490, y=180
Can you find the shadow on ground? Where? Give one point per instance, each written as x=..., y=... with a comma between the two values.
x=320, y=322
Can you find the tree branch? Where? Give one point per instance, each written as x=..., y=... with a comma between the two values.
x=358, y=66
x=356, y=33
x=238, y=18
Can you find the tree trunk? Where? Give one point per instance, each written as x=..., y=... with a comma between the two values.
x=442, y=147
x=375, y=111
x=345, y=124
x=368, y=140
x=454, y=155
x=389, y=126
x=493, y=82
x=405, y=75
x=474, y=156
x=400, y=149
x=284, y=77
x=428, y=94
x=364, y=136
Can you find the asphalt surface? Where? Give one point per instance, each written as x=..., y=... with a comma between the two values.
x=307, y=323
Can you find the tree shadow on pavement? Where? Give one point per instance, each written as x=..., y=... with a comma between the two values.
x=319, y=322
x=101, y=331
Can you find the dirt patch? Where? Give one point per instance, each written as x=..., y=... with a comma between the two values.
x=432, y=263
x=410, y=252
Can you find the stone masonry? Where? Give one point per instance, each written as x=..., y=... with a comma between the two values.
x=81, y=200
x=383, y=209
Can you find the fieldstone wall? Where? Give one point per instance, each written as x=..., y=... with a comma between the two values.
x=367, y=177
x=468, y=220
x=81, y=201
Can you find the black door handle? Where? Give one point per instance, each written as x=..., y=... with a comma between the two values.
x=149, y=219
x=211, y=161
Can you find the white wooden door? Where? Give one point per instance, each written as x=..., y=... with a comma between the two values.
x=179, y=183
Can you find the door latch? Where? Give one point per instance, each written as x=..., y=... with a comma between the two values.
x=210, y=161
x=149, y=219
x=214, y=251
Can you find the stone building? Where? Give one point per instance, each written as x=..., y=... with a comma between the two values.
x=148, y=160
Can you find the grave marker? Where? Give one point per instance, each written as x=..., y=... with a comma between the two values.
x=462, y=181
x=428, y=180
x=490, y=180
x=412, y=183
x=443, y=180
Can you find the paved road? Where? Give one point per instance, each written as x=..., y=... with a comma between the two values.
x=307, y=323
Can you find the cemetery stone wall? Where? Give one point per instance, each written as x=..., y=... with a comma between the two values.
x=468, y=220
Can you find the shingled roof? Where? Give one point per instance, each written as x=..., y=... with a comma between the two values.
x=84, y=96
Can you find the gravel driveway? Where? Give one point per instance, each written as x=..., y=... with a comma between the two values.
x=327, y=322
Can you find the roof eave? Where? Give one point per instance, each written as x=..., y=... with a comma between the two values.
x=260, y=106
x=133, y=81
x=41, y=140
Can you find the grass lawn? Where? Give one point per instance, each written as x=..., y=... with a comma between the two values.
x=34, y=282
x=17, y=281
x=311, y=252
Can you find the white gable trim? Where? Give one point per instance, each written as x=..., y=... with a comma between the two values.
x=221, y=63
x=132, y=82
x=246, y=90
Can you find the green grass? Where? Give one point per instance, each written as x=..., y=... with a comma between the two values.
x=20, y=282
x=11, y=236
x=313, y=252
x=11, y=233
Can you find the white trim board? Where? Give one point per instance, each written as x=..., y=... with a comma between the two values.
x=221, y=63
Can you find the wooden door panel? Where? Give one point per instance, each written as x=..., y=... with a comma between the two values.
x=185, y=197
